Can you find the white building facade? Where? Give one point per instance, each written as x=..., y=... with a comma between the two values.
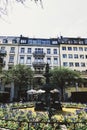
x=37, y=52
x=32, y=52
x=73, y=53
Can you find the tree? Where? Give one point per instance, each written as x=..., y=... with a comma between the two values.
x=61, y=76
x=21, y=75
x=4, y=4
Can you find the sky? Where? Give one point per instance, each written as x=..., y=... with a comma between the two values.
x=56, y=18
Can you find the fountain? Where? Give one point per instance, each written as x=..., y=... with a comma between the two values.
x=49, y=100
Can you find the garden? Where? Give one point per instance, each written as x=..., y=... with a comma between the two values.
x=21, y=116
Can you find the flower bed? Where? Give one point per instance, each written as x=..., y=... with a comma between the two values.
x=19, y=119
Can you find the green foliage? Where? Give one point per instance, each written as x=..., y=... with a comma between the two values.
x=20, y=75
x=62, y=76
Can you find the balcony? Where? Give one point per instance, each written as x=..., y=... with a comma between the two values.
x=38, y=53
x=12, y=52
x=83, y=74
x=11, y=62
x=3, y=53
x=39, y=64
x=2, y=62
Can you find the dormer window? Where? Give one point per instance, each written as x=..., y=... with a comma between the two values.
x=14, y=41
x=5, y=41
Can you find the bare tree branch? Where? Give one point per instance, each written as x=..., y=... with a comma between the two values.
x=5, y=4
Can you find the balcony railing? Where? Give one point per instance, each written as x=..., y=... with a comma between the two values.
x=2, y=62
x=3, y=53
x=37, y=53
x=83, y=74
x=39, y=64
x=11, y=62
x=39, y=72
x=12, y=51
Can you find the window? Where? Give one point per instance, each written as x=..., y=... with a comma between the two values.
x=64, y=55
x=76, y=56
x=12, y=50
x=10, y=67
x=55, y=61
x=49, y=60
x=70, y=56
x=34, y=41
x=11, y=59
x=48, y=51
x=23, y=41
x=55, y=51
x=28, y=60
x=39, y=50
x=76, y=64
x=80, y=48
x=29, y=50
x=14, y=41
x=81, y=42
x=2, y=48
x=69, y=48
x=38, y=59
x=71, y=64
x=81, y=56
x=75, y=48
x=5, y=41
x=22, y=50
x=82, y=64
x=68, y=41
x=86, y=56
x=63, y=48
x=54, y=42
x=65, y=64
x=85, y=48
x=21, y=59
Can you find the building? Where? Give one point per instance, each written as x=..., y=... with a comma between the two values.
x=10, y=45
x=36, y=52
x=33, y=52
x=73, y=53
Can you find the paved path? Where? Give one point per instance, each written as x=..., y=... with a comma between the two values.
x=3, y=129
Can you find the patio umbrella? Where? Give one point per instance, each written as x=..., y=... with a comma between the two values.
x=31, y=91
x=54, y=91
x=40, y=91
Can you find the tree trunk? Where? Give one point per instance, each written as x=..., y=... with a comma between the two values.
x=62, y=93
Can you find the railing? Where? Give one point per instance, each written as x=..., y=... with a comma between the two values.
x=3, y=53
x=36, y=125
x=37, y=53
x=40, y=64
